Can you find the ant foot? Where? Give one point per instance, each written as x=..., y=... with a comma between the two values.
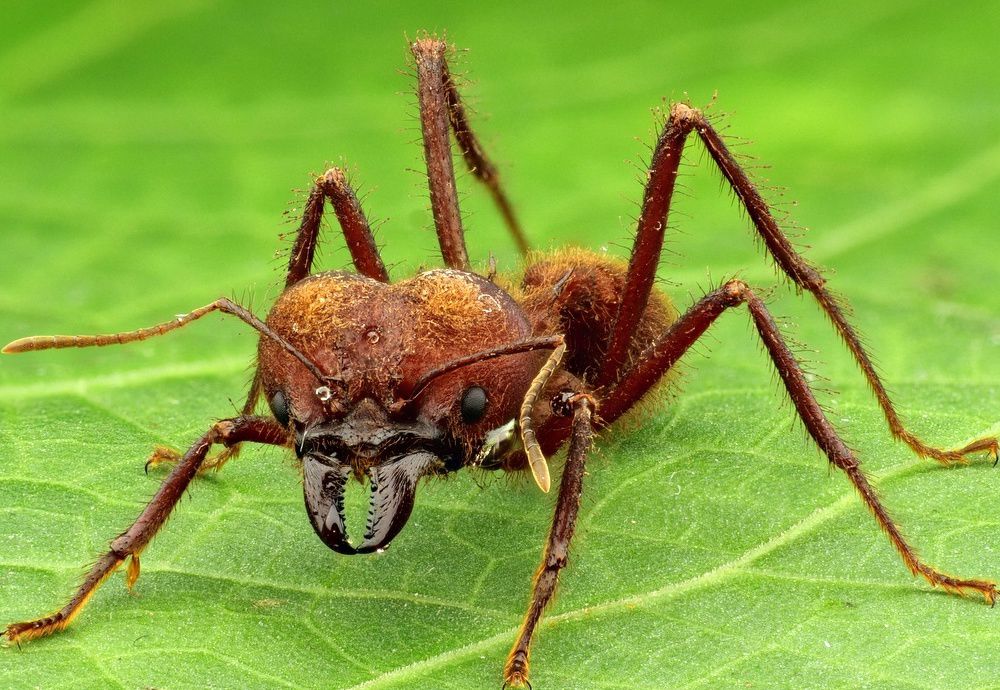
x=161, y=455
x=515, y=674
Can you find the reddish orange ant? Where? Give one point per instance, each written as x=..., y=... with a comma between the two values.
x=393, y=382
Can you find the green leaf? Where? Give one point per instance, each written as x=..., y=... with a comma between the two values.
x=148, y=154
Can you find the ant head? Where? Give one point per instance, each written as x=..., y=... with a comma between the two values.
x=419, y=378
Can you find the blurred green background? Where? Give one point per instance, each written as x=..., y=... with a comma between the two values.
x=147, y=154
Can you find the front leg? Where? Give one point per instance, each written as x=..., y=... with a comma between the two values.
x=357, y=232
x=515, y=672
x=130, y=543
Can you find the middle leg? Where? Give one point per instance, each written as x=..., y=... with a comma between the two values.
x=360, y=239
x=649, y=241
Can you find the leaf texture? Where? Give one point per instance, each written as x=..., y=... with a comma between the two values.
x=148, y=154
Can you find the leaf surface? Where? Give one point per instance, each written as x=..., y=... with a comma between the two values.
x=148, y=155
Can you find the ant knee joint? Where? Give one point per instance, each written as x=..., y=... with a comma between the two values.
x=334, y=178
x=682, y=112
x=736, y=291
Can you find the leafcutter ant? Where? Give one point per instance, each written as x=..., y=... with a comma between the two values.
x=390, y=382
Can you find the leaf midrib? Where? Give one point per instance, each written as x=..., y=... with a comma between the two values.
x=721, y=573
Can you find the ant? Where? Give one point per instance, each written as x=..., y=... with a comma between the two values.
x=392, y=382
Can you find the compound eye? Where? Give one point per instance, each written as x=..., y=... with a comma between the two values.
x=473, y=404
x=279, y=408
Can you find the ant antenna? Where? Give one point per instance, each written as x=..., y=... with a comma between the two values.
x=226, y=306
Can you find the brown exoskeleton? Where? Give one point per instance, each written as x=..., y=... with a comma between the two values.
x=392, y=382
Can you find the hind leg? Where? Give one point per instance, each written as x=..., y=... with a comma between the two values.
x=663, y=354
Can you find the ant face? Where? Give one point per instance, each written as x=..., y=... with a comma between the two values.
x=393, y=456
x=394, y=407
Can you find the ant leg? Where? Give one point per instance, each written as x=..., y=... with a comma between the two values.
x=440, y=108
x=649, y=240
x=130, y=543
x=662, y=355
x=645, y=258
x=807, y=277
x=478, y=164
x=432, y=77
x=515, y=672
x=358, y=234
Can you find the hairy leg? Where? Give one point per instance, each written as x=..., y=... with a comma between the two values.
x=557, y=547
x=434, y=122
x=130, y=543
x=360, y=239
x=663, y=354
x=477, y=162
x=440, y=109
x=649, y=241
x=646, y=249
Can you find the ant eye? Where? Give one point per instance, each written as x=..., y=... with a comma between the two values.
x=279, y=408
x=473, y=405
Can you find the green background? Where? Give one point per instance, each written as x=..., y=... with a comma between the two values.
x=148, y=151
